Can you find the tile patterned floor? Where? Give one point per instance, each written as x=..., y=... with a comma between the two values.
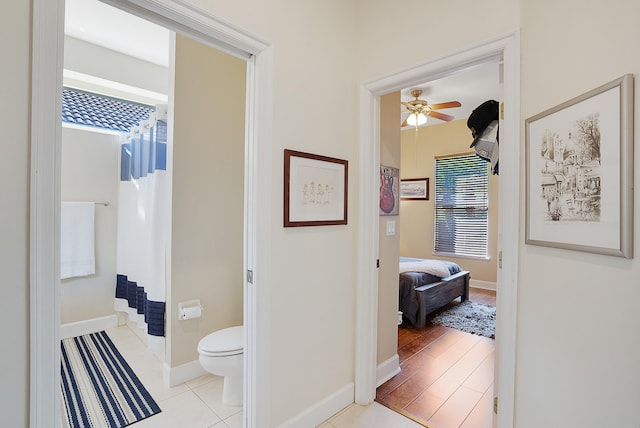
x=198, y=403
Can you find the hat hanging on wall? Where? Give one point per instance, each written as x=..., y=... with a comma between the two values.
x=483, y=123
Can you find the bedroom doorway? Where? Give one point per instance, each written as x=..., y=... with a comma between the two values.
x=425, y=389
x=47, y=46
x=369, y=371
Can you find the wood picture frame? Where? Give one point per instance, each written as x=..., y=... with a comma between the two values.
x=414, y=189
x=579, y=172
x=315, y=190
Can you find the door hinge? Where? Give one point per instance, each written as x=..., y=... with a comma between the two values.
x=495, y=405
x=378, y=263
x=502, y=111
x=500, y=259
x=250, y=276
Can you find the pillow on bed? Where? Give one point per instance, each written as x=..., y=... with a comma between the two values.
x=432, y=267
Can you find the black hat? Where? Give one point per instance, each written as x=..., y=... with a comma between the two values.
x=481, y=117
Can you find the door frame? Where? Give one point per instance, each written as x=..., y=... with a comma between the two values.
x=505, y=48
x=45, y=145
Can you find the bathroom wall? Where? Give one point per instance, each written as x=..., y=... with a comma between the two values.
x=90, y=172
x=90, y=164
x=208, y=195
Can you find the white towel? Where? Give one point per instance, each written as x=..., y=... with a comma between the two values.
x=77, y=246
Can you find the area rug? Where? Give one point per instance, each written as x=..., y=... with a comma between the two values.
x=470, y=317
x=99, y=388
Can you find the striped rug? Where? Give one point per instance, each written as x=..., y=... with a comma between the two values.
x=99, y=389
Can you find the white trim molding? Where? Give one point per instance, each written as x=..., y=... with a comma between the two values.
x=387, y=370
x=322, y=410
x=93, y=325
x=505, y=48
x=46, y=89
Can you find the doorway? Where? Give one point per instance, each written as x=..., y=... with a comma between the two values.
x=436, y=361
x=48, y=28
x=504, y=49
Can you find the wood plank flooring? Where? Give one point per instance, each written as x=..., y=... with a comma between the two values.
x=446, y=378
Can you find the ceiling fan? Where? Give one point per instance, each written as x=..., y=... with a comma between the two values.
x=420, y=109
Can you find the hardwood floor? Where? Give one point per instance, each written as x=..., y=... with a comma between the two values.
x=446, y=378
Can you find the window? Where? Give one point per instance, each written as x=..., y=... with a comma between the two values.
x=461, y=205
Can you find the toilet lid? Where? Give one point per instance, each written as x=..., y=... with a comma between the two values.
x=227, y=341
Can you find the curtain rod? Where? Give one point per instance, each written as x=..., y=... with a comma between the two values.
x=104, y=203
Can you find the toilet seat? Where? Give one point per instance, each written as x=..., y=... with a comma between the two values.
x=222, y=343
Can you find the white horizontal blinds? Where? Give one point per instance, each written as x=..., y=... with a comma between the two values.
x=461, y=205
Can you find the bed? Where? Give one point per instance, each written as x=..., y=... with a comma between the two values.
x=427, y=285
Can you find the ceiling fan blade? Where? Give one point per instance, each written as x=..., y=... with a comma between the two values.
x=403, y=124
x=440, y=116
x=449, y=104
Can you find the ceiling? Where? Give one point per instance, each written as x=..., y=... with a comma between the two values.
x=106, y=26
x=471, y=87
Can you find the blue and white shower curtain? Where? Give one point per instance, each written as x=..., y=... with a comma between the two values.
x=144, y=204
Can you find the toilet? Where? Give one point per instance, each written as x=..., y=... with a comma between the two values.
x=222, y=354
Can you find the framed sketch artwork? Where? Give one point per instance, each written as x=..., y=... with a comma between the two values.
x=315, y=190
x=579, y=172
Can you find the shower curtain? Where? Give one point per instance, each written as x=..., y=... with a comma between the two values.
x=143, y=204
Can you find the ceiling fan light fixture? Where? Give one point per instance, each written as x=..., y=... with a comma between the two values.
x=417, y=119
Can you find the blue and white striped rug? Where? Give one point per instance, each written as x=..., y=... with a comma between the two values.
x=99, y=388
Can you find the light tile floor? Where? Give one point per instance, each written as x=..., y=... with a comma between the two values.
x=198, y=403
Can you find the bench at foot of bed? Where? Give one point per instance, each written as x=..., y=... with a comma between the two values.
x=432, y=297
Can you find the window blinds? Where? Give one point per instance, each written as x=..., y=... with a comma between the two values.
x=461, y=205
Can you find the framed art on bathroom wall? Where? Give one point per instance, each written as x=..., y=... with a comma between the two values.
x=315, y=190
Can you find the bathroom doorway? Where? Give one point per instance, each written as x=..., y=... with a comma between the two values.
x=46, y=191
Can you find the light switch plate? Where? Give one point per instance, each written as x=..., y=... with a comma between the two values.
x=391, y=228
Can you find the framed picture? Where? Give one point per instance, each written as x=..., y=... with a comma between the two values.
x=414, y=189
x=579, y=172
x=389, y=190
x=315, y=190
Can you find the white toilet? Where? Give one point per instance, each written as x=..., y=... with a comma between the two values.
x=222, y=354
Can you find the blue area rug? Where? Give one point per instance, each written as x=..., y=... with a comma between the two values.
x=99, y=388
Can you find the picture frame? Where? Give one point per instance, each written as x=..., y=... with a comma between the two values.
x=579, y=172
x=389, y=190
x=315, y=189
x=416, y=189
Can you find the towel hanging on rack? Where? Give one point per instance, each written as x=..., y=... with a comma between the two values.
x=77, y=236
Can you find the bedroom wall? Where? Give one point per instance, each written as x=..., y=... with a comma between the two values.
x=419, y=150
x=389, y=245
x=208, y=195
x=90, y=166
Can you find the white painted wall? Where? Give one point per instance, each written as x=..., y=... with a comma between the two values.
x=90, y=172
x=577, y=363
x=93, y=60
x=15, y=30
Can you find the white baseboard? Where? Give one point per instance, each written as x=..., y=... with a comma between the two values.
x=387, y=370
x=87, y=326
x=485, y=285
x=173, y=376
x=322, y=410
